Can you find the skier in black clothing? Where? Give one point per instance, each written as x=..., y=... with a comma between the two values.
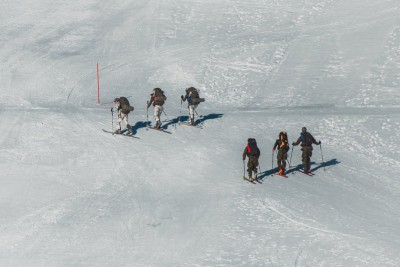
x=306, y=140
x=283, y=147
x=253, y=153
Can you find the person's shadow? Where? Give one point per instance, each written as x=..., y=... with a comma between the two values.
x=299, y=167
x=261, y=176
x=198, y=121
x=138, y=125
x=326, y=164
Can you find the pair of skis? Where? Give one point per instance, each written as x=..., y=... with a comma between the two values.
x=277, y=174
x=285, y=176
x=188, y=124
x=159, y=129
x=131, y=135
x=308, y=173
x=253, y=181
x=123, y=134
x=282, y=175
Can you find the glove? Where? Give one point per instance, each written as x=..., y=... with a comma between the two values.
x=319, y=142
x=292, y=143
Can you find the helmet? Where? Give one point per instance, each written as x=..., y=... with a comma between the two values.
x=304, y=129
x=116, y=99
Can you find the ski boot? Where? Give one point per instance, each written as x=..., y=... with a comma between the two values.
x=250, y=177
x=118, y=131
x=129, y=128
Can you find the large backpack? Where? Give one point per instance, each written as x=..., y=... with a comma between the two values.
x=159, y=97
x=252, y=147
x=125, y=106
x=284, y=142
x=194, y=96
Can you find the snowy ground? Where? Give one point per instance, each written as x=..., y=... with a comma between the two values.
x=72, y=195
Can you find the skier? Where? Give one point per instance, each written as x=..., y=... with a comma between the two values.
x=283, y=147
x=193, y=98
x=253, y=153
x=306, y=140
x=157, y=98
x=123, y=107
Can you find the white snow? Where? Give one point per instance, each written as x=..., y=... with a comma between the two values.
x=72, y=195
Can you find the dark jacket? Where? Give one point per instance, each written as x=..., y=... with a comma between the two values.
x=306, y=140
x=281, y=145
x=247, y=152
x=191, y=93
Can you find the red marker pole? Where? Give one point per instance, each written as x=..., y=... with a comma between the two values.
x=98, y=84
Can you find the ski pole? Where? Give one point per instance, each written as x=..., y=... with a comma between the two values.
x=202, y=122
x=322, y=155
x=244, y=170
x=165, y=114
x=112, y=120
x=180, y=113
x=167, y=117
x=147, y=115
x=272, y=160
x=290, y=162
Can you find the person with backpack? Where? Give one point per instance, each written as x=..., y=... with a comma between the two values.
x=193, y=98
x=283, y=147
x=306, y=140
x=253, y=153
x=157, y=98
x=123, y=107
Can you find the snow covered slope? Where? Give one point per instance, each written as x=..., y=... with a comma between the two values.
x=72, y=195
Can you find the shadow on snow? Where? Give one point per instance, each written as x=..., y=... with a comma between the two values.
x=198, y=121
x=299, y=167
x=143, y=124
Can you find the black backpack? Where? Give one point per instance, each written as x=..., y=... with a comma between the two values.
x=125, y=106
x=192, y=92
x=252, y=147
x=194, y=96
x=158, y=96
